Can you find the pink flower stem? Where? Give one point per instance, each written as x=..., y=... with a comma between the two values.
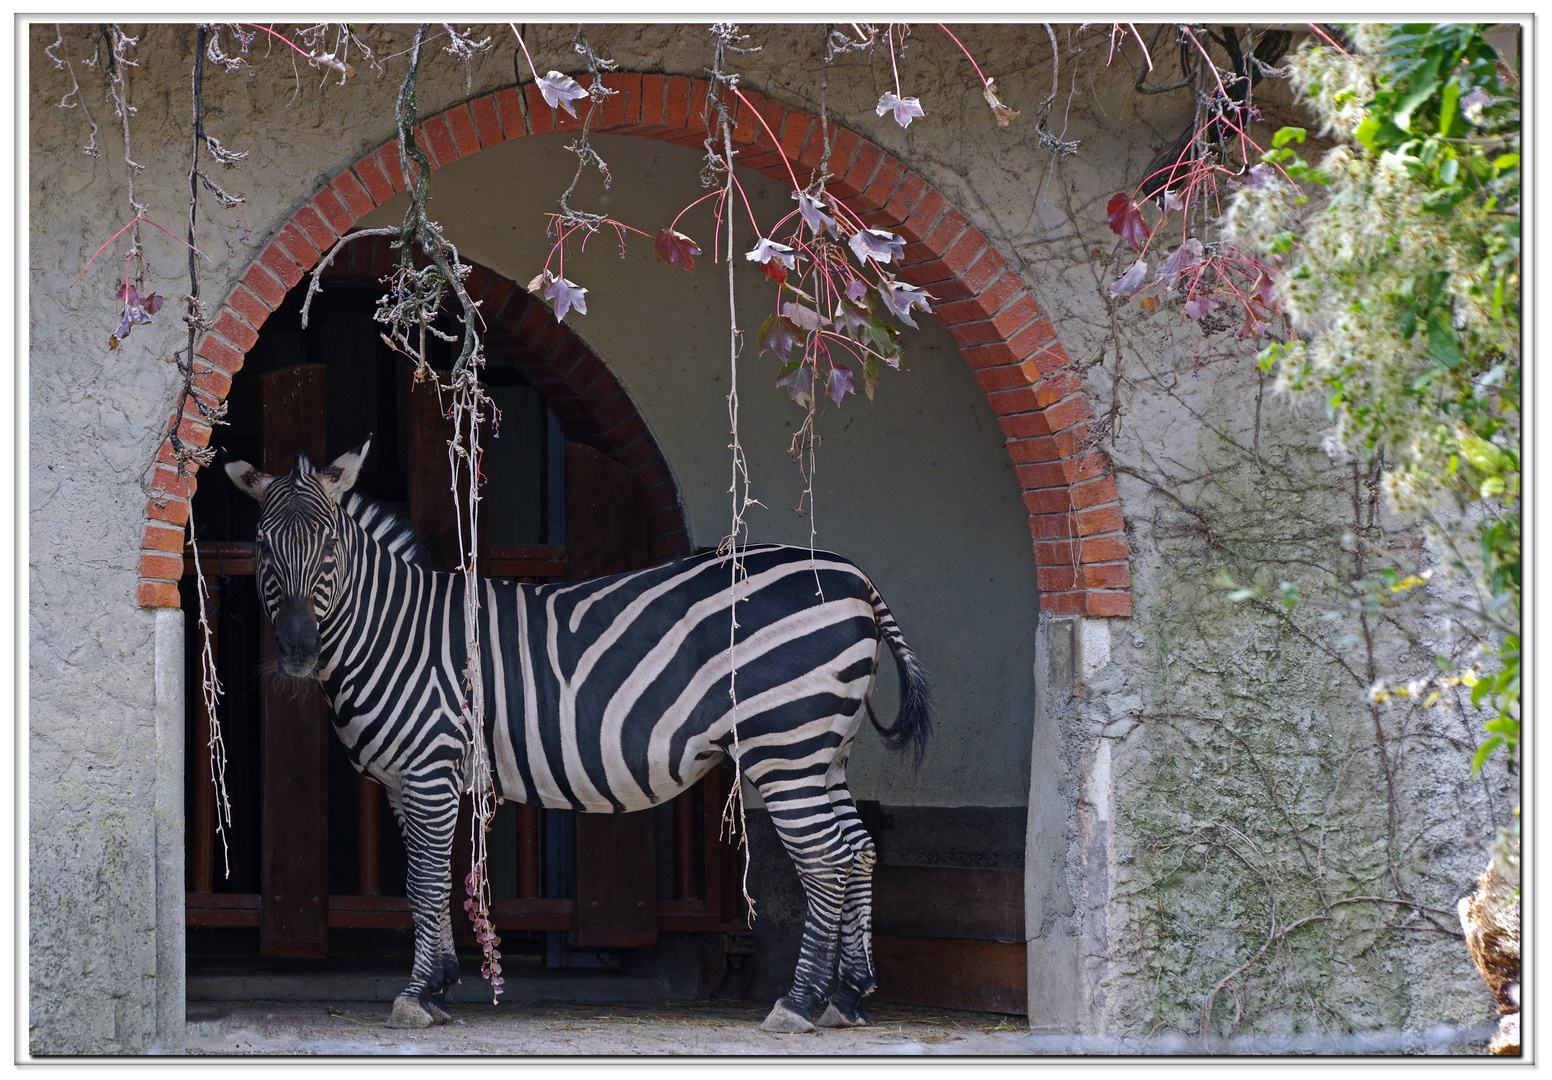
x=709, y=195
x=966, y=51
x=1141, y=46
x=523, y=45
x=890, y=34
x=282, y=37
x=1327, y=36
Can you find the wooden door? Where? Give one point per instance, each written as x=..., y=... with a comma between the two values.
x=294, y=874
x=606, y=533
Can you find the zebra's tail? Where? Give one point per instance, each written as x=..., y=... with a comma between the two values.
x=913, y=724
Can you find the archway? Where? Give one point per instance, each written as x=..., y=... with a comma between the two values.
x=1074, y=511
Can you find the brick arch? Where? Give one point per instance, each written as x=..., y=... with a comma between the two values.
x=1068, y=488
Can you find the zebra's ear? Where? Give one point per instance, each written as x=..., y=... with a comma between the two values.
x=249, y=479
x=340, y=476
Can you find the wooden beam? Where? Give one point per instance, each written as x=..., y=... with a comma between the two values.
x=985, y=904
x=950, y=973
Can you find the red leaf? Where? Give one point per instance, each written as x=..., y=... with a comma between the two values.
x=676, y=249
x=1126, y=220
x=775, y=271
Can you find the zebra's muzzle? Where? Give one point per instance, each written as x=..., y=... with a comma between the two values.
x=296, y=639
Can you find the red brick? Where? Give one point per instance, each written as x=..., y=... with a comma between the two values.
x=157, y=594
x=1100, y=519
x=1056, y=579
x=196, y=432
x=906, y=196
x=263, y=284
x=253, y=310
x=536, y=320
x=970, y=334
x=888, y=177
x=600, y=392
x=924, y=217
x=948, y=232
x=487, y=122
x=160, y=538
x=165, y=479
x=277, y=261
x=1002, y=378
x=509, y=107
x=1056, y=387
x=301, y=250
x=984, y=270
x=625, y=434
x=637, y=452
x=965, y=311
x=844, y=147
x=333, y=211
x=1096, y=492
x=389, y=162
x=746, y=120
x=929, y=273
x=862, y=170
x=460, y=122
x=654, y=472
x=1016, y=315
x=1048, y=501
x=794, y=133
x=1055, y=552
x=1074, y=439
x=613, y=412
x=160, y=566
x=1018, y=400
x=1068, y=412
x=220, y=354
x=652, y=95
x=1086, y=466
x=1026, y=426
x=173, y=510
x=1048, y=526
x=236, y=331
x=1109, y=548
x=1043, y=474
x=660, y=500
x=1107, y=604
x=1025, y=451
x=370, y=172
x=676, y=103
x=317, y=230
x=964, y=252
x=699, y=112
x=1032, y=339
x=1063, y=603
x=215, y=383
x=1113, y=575
x=996, y=354
x=353, y=195
x=622, y=108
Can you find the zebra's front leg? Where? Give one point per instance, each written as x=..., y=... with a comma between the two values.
x=427, y=811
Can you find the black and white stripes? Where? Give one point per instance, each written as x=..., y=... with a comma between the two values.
x=603, y=696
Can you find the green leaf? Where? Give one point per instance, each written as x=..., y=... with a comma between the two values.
x=1402, y=117
x=1486, y=456
x=1443, y=344
x=1447, y=102
x=1483, y=752
x=1287, y=135
x=1239, y=595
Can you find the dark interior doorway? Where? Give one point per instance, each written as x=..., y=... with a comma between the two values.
x=313, y=865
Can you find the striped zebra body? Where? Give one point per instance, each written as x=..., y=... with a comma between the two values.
x=603, y=696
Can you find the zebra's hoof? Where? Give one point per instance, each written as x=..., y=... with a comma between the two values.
x=438, y=1005
x=408, y=1012
x=785, y=1020
x=835, y=1017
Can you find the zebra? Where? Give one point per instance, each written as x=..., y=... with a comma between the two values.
x=602, y=696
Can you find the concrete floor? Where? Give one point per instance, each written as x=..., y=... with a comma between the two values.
x=568, y=1029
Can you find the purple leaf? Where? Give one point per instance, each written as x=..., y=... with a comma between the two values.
x=804, y=318
x=566, y=294
x=1171, y=200
x=676, y=249
x=766, y=250
x=799, y=382
x=778, y=335
x=1180, y=260
x=850, y=316
x=856, y=289
x=137, y=312
x=840, y=383
x=1472, y=104
x=1126, y=220
x=880, y=245
x=813, y=214
x=900, y=298
x=1129, y=282
x=1198, y=306
x=1260, y=176
x=905, y=109
x=561, y=90
x=1264, y=291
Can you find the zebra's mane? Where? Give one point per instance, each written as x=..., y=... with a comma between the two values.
x=388, y=528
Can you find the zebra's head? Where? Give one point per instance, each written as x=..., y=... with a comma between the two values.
x=297, y=549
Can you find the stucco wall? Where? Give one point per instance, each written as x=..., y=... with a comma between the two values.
x=1191, y=716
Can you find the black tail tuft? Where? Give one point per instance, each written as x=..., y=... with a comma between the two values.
x=913, y=725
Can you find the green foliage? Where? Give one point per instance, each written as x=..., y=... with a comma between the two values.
x=1403, y=289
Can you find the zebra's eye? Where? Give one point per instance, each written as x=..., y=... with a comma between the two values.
x=328, y=547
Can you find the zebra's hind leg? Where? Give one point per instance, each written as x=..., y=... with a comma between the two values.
x=809, y=829
x=427, y=808
x=855, y=977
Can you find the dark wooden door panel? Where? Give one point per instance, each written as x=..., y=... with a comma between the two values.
x=949, y=902
x=949, y=973
x=294, y=876
x=433, y=512
x=606, y=515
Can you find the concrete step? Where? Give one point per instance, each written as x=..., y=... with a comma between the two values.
x=384, y=986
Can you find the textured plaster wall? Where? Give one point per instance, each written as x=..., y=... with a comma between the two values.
x=1171, y=728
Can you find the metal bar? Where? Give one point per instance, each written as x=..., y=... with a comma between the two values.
x=684, y=847
x=369, y=861
x=527, y=851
